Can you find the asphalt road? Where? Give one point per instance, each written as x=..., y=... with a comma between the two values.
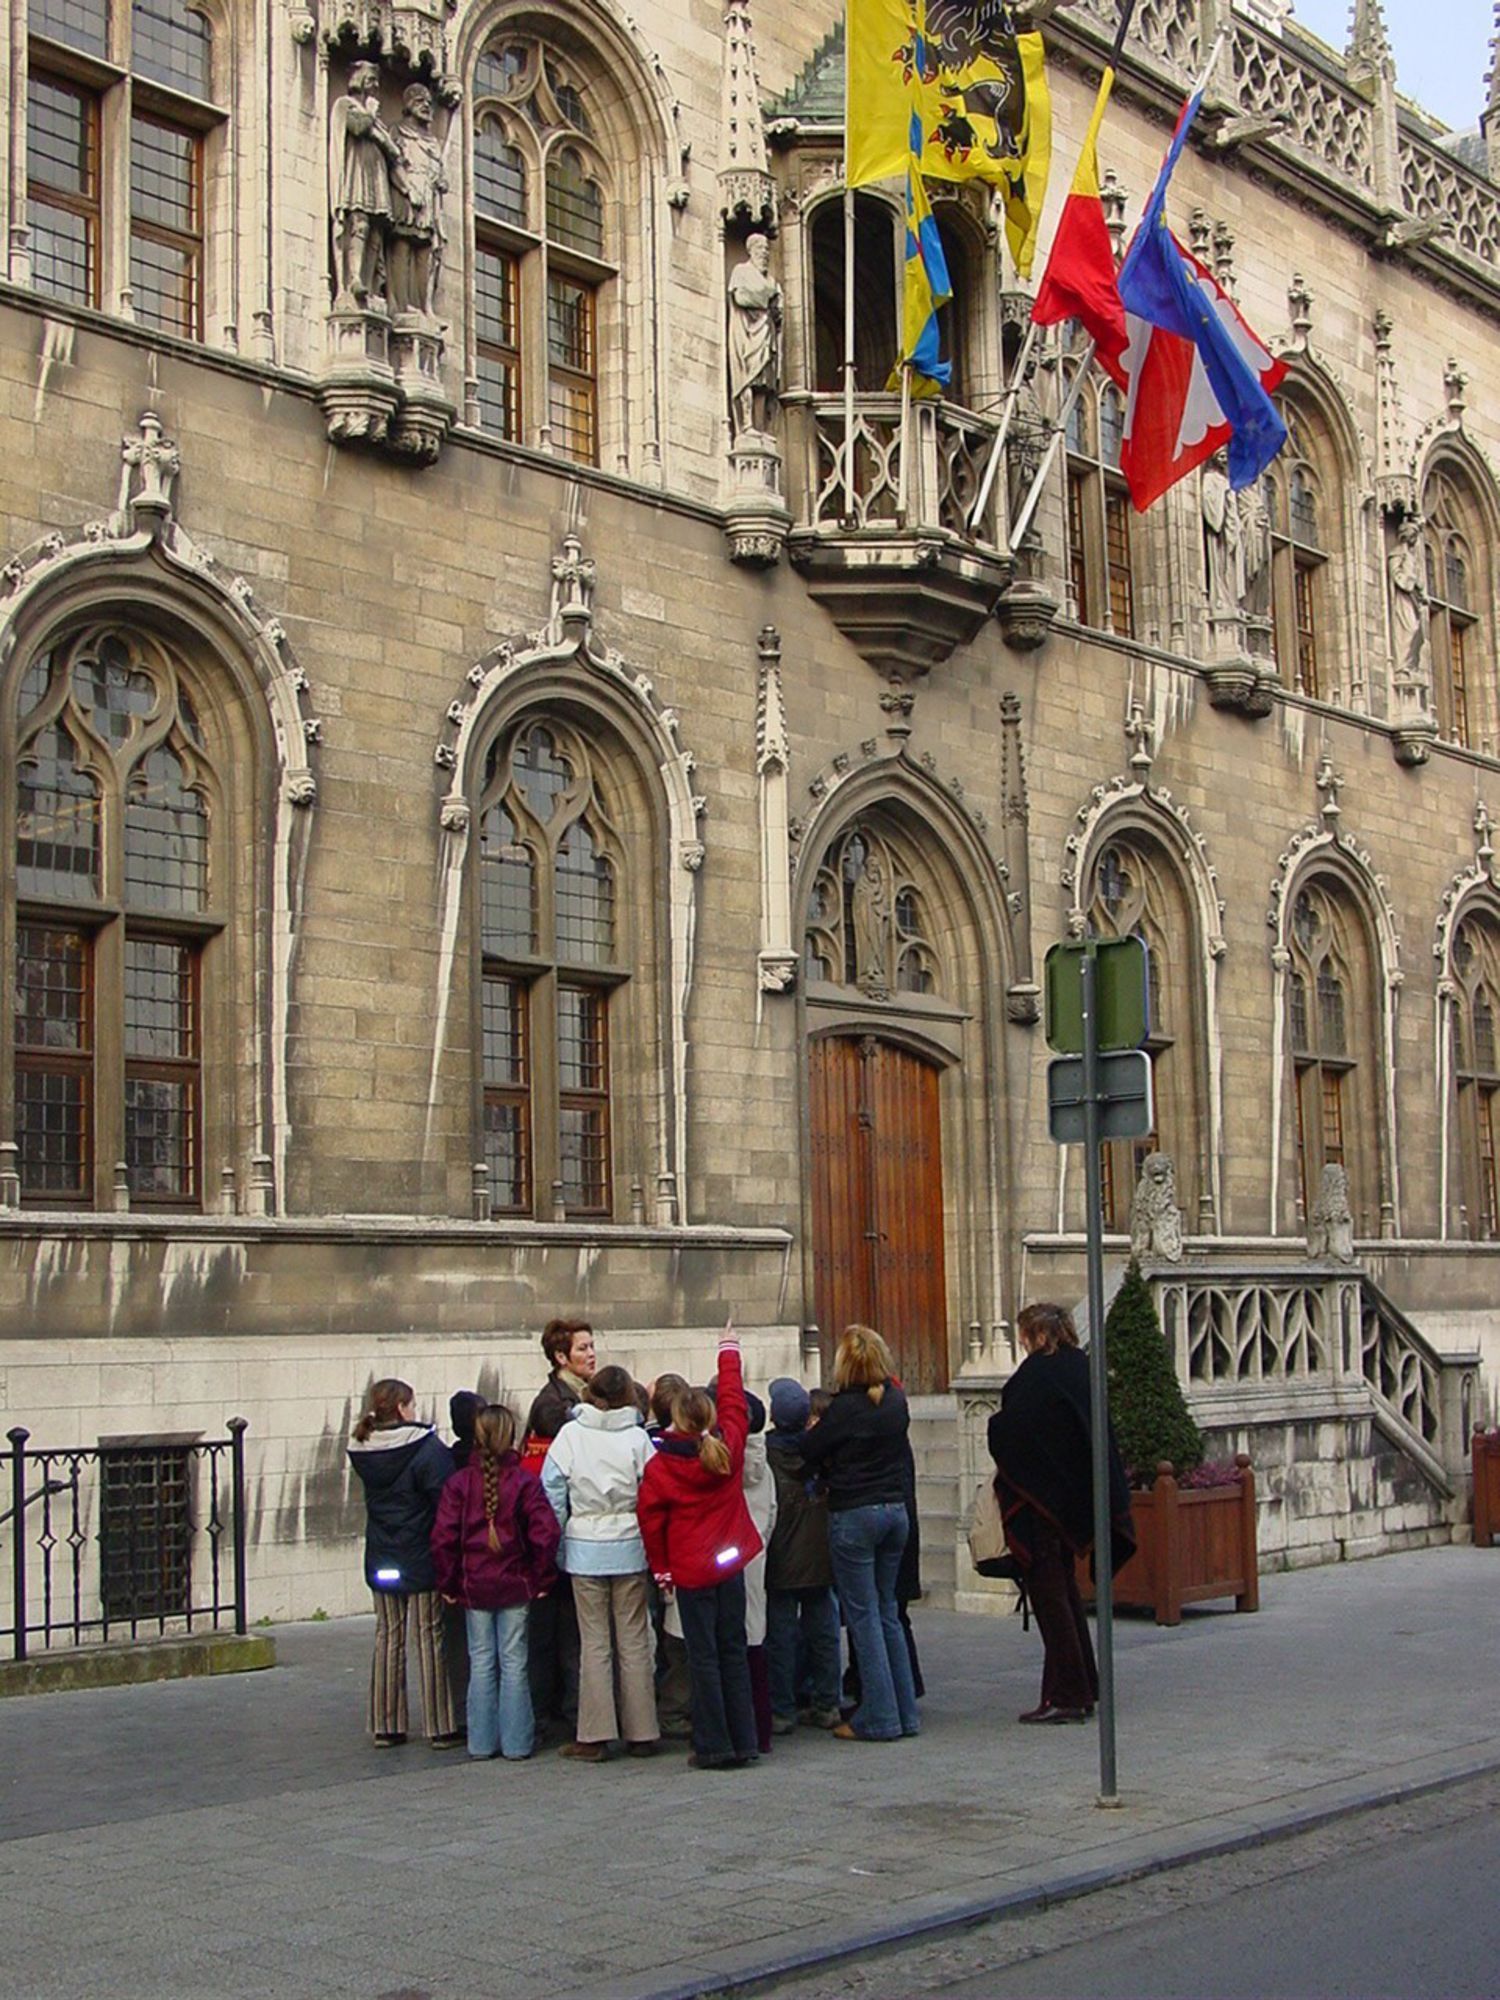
x=1403, y=1901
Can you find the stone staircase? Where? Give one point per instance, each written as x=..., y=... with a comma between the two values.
x=935, y=1446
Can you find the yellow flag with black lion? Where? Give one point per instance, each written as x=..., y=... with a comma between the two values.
x=979, y=88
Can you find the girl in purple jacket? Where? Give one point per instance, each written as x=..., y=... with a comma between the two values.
x=494, y=1548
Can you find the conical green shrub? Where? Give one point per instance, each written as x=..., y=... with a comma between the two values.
x=1146, y=1403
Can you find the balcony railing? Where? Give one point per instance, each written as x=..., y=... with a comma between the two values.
x=947, y=449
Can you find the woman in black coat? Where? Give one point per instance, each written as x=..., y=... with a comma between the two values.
x=1041, y=1439
x=403, y=1467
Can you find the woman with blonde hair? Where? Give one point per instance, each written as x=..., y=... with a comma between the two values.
x=860, y=1449
x=699, y=1538
x=494, y=1551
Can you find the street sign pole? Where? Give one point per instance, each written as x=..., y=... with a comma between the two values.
x=1104, y=1589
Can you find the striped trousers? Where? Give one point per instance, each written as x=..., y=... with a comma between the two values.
x=388, y=1669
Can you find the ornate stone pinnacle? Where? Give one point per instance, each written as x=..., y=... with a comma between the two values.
x=572, y=584
x=1300, y=300
x=897, y=702
x=1484, y=826
x=153, y=455
x=1330, y=784
x=1139, y=731
x=1456, y=386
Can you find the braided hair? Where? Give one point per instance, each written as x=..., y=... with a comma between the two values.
x=494, y=1436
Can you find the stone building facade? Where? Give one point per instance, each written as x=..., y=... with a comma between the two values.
x=511, y=806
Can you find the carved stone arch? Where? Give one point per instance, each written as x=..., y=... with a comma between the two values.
x=841, y=795
x=141, y=566
x=879, y=214
x=1123, y=808
x=1473, y=892
x=960, y=1025
x=563, y=666
x=634, y=69
x=1325, y=851
x=645, y=158
x=1315, y=380
x=1447, y=437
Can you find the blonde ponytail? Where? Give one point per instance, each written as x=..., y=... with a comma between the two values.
x=693, y=1415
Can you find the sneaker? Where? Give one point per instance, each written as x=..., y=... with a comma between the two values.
x=388, y=1742
x=452, y=1741
x=783, y=1725
x=646, y=1748
x=821, y=1718
x=586, y=1753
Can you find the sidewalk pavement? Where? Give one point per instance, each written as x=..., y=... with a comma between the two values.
x=239, y=1840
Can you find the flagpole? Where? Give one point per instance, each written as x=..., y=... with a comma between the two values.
x=1007, y=410
x=848, y=355
x=1059, y=426
x=1018, y=380
x=901, y=482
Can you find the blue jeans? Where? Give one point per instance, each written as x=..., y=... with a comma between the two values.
x=499, y=1692
x=798, y=1620
x=866, y=1544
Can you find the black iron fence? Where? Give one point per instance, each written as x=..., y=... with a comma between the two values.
x=129, y=1538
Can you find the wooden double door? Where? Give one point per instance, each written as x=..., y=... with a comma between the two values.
x=877, y=1201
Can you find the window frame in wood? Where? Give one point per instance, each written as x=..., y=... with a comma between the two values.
x=1457, y=625
x=531, y=95
x=1097, y=513
x=1475, y=961
x=160, y=876
x=549, y=778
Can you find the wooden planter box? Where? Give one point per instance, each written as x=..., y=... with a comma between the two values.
x=1486, y=1487
x=1190, y=1546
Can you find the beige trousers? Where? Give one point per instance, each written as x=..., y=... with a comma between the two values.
x=614, y=1633
x=388, y=1670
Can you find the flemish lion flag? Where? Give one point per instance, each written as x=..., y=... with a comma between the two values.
x=988, y=109
x=879, y=74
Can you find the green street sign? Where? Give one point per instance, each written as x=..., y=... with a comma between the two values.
x=1122, y=988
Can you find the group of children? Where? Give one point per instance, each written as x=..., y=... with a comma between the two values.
x=641, y=1562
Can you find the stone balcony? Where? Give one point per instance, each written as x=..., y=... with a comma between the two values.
x=882, y=535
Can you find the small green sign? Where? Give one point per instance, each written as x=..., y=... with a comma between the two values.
x=1122, y=989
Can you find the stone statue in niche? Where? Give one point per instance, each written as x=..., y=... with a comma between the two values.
x=1223, y=541
x=1255, y=550
x=755, y=308
x=1330, y=1227
x=418, y=183
x=872, y=912
x=1155, y=1218
x=1410, y=639
x=362, y=153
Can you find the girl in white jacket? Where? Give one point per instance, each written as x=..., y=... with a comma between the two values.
x=592, y=1475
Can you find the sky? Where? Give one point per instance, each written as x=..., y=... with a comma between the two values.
x=1441, y=67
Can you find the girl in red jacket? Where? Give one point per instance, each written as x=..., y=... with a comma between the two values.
x=494, y=1549
x=699, y=1536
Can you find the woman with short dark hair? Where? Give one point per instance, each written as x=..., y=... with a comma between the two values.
x=1041, y=1439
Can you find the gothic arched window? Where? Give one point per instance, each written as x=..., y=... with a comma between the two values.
x=1300, y=503
x=1457, y=601
x=1137, y=894
x=1329, y=987
x=876, y=290
x=1100, y=549
x=1476, y=973
x=552, y=961
x=119, y=899
x=543, y=259
x=868, y=924
x=122, y=135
